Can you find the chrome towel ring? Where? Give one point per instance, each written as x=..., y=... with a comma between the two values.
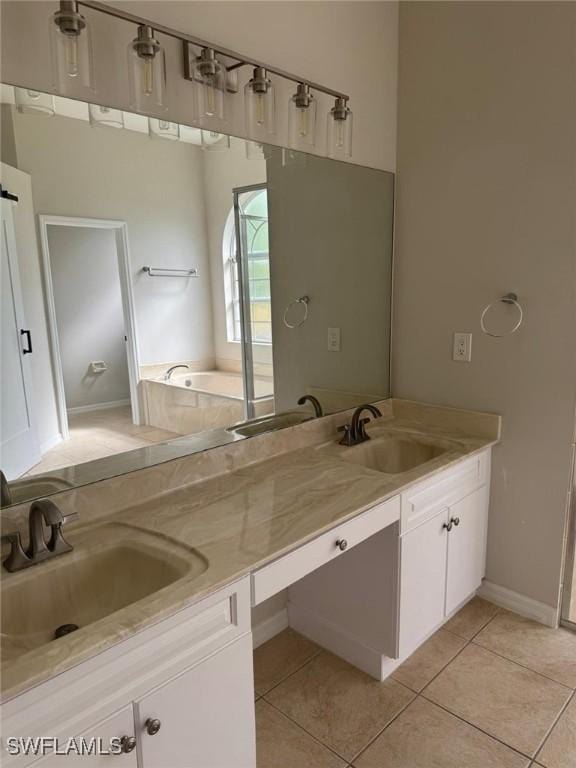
x=304, y=300
x=509, y=298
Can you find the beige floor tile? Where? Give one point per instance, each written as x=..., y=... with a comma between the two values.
x=552, y=652
x=339, y=705
x=430, y=659
x=280, y=657
x=507, y=701
x=282, y=744
x=472, y=618
x=559, y=751
x=425, y=736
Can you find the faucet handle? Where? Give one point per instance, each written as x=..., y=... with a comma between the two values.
x=348, y=437
x=58, y=544
x=17, y=559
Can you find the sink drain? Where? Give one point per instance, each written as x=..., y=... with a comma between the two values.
x=65, y=629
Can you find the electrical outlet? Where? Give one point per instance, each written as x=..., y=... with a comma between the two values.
x=462, y=351
x=333, y=339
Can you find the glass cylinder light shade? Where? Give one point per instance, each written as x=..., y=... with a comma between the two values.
x=339, y=132
x=33, y=102
x=71, y=49
x=106, y=117
x=163, y=129
x=215, y=142
x=302, y=119
x=147, y=72
x=210, y=81
x=260, y=106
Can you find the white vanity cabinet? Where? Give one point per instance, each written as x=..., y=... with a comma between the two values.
x=182, y=691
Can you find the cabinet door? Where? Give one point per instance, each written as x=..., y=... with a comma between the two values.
x=206, y=714
x=423, y=581
x=466, y=547
x=115, y=727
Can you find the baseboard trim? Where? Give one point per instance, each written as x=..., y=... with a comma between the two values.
x=344, y=645
x=270, y=627
x=524, y=606
x=98, y=406
x=52, y=442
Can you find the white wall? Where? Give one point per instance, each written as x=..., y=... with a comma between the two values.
x=223, y=172
x=156, y=186
x=350, y=46
x=89, y=314
x=486, y=204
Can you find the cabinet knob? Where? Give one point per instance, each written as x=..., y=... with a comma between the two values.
x=448, y=526
x=152, y=725
x=128, y=743
x=342, y=544
x=455, y=520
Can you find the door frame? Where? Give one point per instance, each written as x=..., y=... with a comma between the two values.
x=120, y=228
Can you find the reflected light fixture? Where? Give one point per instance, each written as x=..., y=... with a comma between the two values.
x=147, y=71
x=71, y=47
x=215, y=142
x=105, y=116
x=302, y=118
x=163, y=129
x=260, y=105
x=210, y=78
x=339, y=132
x=33, y=102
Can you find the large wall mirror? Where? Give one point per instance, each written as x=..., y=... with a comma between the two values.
x=166, y=290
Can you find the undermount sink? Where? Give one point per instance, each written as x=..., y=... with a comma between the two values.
x=112, y=568
x=393, y=454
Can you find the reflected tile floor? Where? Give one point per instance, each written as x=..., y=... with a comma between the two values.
x=97, y=434
x=489, y=690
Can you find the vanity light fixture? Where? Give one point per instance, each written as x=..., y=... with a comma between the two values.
x=71, y=47
x=34, y=102
x=215, y=142
x=339, y=132
x=105, y=116
x=260, y=105
x=302, y=118
x=147, y=71
x=163, y=129
x=210, y=80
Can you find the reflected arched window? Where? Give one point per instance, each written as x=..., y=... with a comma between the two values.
x=253, y=229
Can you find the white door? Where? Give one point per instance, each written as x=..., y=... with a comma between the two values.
x=423, y=581
x=19, y=447
x=205, y=715
x=466, y=547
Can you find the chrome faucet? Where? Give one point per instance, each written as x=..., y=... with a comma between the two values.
x=171, y=370
x=355, y=432
x=315, y=404
x=42, y=511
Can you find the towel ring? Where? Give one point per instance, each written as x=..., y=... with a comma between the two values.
x=509, y=298
x=304, y=300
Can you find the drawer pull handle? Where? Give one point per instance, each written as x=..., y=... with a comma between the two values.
x=152, y=726
x=455, y=520
x=342, y=544
x=448, y=526
x=127, y=744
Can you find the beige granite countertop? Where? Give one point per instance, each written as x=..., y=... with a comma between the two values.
x=238, y=521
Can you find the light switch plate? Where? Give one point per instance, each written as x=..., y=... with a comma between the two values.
x=462, y=350
x=334, y=339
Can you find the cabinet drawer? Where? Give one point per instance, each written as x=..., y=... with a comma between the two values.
x=286, y=570
x=426, y=499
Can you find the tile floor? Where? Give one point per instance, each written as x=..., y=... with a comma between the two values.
x=96, y=434
x=489, y=690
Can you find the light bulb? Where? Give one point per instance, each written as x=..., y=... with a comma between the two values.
x=260, y=105
x=302, y=118
x=147, y=71
x=71, y=48
x=148, y=77
x=210, y=75
x=260, y=108
x=71, y=55
x=339, y=129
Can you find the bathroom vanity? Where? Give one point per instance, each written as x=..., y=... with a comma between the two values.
x=378, y=544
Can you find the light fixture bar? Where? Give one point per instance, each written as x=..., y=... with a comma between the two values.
x=110, y=10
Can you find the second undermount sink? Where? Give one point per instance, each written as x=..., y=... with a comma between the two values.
x=392, y=454
x=110, y=569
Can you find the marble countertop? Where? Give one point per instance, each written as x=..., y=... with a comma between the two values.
x=236, y=522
